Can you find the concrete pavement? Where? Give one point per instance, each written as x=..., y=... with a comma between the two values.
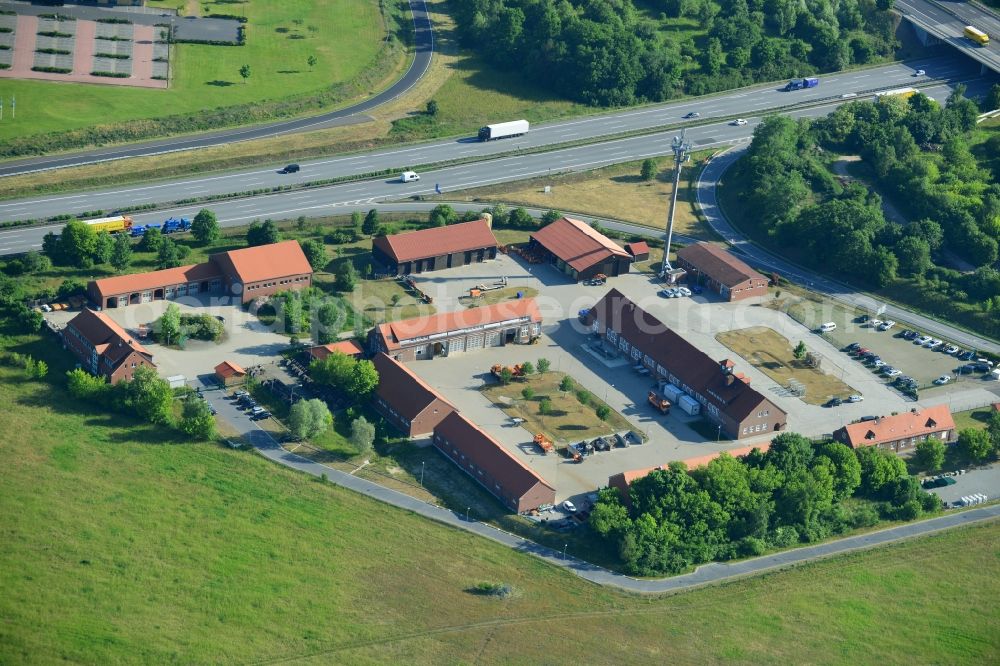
x=703, y=575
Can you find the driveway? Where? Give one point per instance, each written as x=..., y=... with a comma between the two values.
x=985, y=480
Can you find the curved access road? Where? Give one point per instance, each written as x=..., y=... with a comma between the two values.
x=703, y=575
x=423, y=42
x=708, y=202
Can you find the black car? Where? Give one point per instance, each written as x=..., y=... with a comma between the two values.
x=852, y=347
x=980, y=367
x=290, y=168
x=692, y=114
x=260, y=416
x=834, y=402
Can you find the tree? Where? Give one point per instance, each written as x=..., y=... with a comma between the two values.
x=334, y=370
x=519, y=218
x=169, y=255
x=648, y=170
x=84, y=386
x=550, y=216
x=151, y=240
x=879, y=469
x=77, y=244
x=603, y=412
x=543, y=365
x=914, y=254
x=800, y=350
x=846, y=468
x=527, y=393
x=121, y=253
x=930, y=454
x=432, y=107
x=362, y=434
x=527, y=368
x=347, y=276
x=371, y=223
x=566, y=384
x=506, y=375
x=168, y=326
x=196, y=419
x=52, y=247
x=545, y=406
x=315, y=252
x=992, y=101
x=356, y=219
x=205, y=226
x=442, y=215
x=148, y=396
x=262, y=234
x=35, y=262
x=309, y=418
x=104, y=243
x=975, y=444
x=311, y=61
x=364, y=379
x=245, y=73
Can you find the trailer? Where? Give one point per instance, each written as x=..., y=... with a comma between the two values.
x=689, y=405
x=799, y=84
x=902, y=93
x=503, y=130
x=176, y=224
x=112, y=225
x=671, y=392
x=977, y=35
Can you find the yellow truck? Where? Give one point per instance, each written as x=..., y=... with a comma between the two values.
x=977, y=35
x=112, y=225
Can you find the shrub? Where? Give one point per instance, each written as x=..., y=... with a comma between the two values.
x=603, y=412
x=117, y=56
x=52, y=70
x=528, y=393
x=111, y=75
x=55, y=33
x=566, y=384
x=53, y=51
x=583, y=396
x=501, y=590
x=545, y=406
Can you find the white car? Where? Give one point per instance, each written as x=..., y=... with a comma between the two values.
x=827, y=327
x=886, y=325
x=684, y=291
x=943, y=379
x=878, y=363
x=950, y=349
x=919, y=72
x=739, y=122
x=874, y=323
x=857, y=397
x=569, y=507
x=892, y=372
x=923, y=340
x=934, y=344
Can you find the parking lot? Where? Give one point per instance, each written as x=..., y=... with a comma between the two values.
x=985, y=480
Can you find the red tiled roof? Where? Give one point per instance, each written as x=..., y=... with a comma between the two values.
x=715, y=380
x=717, y=263
x=637, y=248
x=228, y=369
x=109, y=339
x=406, y=393
x=577, y=243
x=397, y=332
x=348, y=347
x=437, y=241
x=121, y=284
x=488, y=454
x=624, y=479
x=264, y=262
x=901, y=426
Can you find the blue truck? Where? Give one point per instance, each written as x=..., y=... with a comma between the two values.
x=798, y=84
x=169, y=226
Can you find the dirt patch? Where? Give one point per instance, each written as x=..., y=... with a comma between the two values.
x=497, y=296
x=771, y=353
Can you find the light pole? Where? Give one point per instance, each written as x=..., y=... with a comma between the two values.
x=565, y=546
x=680, y=148
x=467, y=509
x=422, y=474
x=718, y=435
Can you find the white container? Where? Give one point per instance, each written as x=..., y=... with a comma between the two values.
x=689, y=405
x=671, y=392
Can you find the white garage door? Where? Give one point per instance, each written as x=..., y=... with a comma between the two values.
x=455, y=346
x=493, y=339
x=474, y=342
x=147, y=296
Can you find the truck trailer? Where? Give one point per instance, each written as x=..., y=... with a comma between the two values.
x=798, y=84
x=503, y=130
x=977, y=35
x=112, y=225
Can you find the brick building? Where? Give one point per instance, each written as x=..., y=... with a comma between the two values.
x=247, y=273
x=230, y=374
x=725, y=396
x=319, y=352
x=436, y=248
x=579, y=250
x=509, y=322
x=902, y=432
x=491, y=465
x=407, y=401
x=720, y=271
x=104, y=348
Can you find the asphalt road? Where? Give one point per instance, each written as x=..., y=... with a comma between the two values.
x=366, y=194
x=704, y=575
x=707, y=201
x=423, y=51
x=946, y=20
x=745, y=102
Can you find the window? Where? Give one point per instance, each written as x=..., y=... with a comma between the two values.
x=612, y=336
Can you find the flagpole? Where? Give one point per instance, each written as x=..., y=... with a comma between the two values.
x=13, y=107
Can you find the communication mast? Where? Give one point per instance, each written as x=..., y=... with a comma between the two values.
x=681, y=149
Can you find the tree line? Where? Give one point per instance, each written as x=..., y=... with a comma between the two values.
x=609, y=53
x=919, y=153
x=797, y=492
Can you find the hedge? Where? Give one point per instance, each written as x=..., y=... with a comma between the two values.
x=55, y=33
x=111, y=75
x=53, y=51
x=117, y=56
x=114, y=20
x=233, y=17
x=52, y=70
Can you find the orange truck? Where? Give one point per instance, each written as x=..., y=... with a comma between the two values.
x=658, y=400
x=515, y=370
x=544, y=443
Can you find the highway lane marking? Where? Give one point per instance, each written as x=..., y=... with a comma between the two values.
x=29, y=203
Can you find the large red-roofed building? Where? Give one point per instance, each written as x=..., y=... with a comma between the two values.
x=514, y=321
x=104, y=348
x=436, y=248
x=579, y=250
x=721, y=271
x=407, y=401
x=901, y=432
x=246, y=274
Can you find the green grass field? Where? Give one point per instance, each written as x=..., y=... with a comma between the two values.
x=122, y=545
x=344, y=35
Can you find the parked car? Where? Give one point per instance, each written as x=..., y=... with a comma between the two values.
x=907, y=334
x=854, y=346
x=877, y=362
x=967, y=356
x=861, y=351
x=922, y=340
x=569, y=506
x=943, y=379
x=886, y=325
x=874, y=323
x=919, y=72
x=261, y=415
x=980, y=367
x=856, y=397
x=950, y=349
x=891, y=372
x=683, y=291
x=834, y=402
x=827, y=327
x=739, y=122
x=665, y=293
x=696, y=289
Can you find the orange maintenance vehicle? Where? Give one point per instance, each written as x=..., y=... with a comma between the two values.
x=658, y=400
x=544, y=443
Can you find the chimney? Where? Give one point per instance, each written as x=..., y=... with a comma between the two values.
x=727, y=366
x=489, y=219
x=730, y=379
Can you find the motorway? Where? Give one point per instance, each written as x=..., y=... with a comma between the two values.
x=946, y=20
x=423, y=50
x=346, y=197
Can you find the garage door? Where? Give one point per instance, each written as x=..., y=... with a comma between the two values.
x=474, y=342
x=456, y=346
x=147, y=296
x=493, y=340
x=182, y=290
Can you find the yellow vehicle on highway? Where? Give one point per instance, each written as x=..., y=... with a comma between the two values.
x=977, y=35
x=901, y=93
x=112, y=225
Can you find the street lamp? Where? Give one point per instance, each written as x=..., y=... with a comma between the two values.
x=565, y=546
x=422, y=474
x=718, y=435
x=467, y=509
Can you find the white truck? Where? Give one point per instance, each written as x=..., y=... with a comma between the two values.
x=503, y=130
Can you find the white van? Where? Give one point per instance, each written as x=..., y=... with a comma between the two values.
x=827, y=327
x=409, y=177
